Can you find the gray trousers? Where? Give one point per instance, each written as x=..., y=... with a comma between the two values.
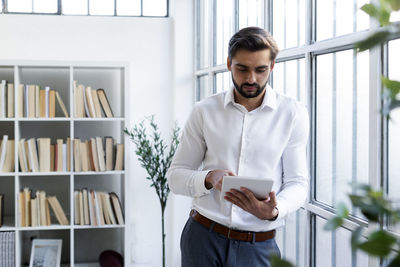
x=201, y=247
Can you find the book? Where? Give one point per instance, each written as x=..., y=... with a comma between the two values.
x=83, y=157
x=10, y=100
x=100, y=153
x=52, y=157
x=28, y=208
x=109, y=153
x=119, y=159
x=64, y=157
x=34, y=212
x=37, y=98
x=31, y=101
x=62, y=105
x=92, y=213
x=85, y=197
x=42, y=208
x=96, y=104
x=58, y=210
x=99, y=209
x=3, y=98
x=42, y=103
x=21, y=210
x=94, y=154
x=3, y=151
x=105, y=104
x=76, y=207
x=59, y=156
x=79, y=101
x=68, y=154
x=81, y=209
x=27, y=155
x=90, y=155
x=104, y=206
x=22, y=156
x=90, y=103
x=33, y=156
x=47, y=208
x=9, y=157
x=46, y=101
x=20, y=102
x=109, y=208
x=116, y=203
x=44, y=155
x=77, y=155
x=52, y=104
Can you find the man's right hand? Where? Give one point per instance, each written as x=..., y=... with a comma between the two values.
x=214, y=179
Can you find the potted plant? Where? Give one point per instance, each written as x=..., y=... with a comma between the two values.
x=153, y=156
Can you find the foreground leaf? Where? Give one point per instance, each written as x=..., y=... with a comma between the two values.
x=278, y=262
x=372, y=40
x=333, y=223
x=379, y=244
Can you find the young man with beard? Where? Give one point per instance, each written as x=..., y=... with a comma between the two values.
x=250, y=130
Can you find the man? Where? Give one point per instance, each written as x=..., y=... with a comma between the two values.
x=250, y=130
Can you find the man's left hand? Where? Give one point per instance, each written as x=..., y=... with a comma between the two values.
x=263, y=209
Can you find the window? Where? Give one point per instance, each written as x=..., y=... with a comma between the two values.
x=145, y=8
x=319, y=67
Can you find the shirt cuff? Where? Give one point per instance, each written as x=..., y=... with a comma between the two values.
x=199, y=186
x=282, y=212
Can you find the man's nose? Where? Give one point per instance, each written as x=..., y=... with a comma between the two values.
x=251, y=78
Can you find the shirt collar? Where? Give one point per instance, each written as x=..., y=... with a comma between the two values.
x=269, y=98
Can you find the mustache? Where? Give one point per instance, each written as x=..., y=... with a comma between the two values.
x=251, y=85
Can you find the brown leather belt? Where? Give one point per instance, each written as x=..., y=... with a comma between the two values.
x=230, y=233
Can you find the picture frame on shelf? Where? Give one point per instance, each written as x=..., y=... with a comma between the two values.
x=45, y=253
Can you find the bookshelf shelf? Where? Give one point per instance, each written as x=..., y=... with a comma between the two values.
x=82, y=244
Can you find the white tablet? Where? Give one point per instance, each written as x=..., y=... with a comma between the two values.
x=261, y=187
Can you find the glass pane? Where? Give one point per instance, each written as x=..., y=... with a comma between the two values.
x=288, y=78
x=45, y=6
x=128, y=8
x=395, y=16
x=223, y=81
x=223, y=29
x=250, y=13
x=1, y=6
x=336, y=246
x=154, y=7
x=292, y=238
x=74, y=7
x=352, y=19
x=202, y=90
x=341, y=124
x=394, y=131
x=289, y=22
x=103, y=7
x=203, y=34
x=20, y=6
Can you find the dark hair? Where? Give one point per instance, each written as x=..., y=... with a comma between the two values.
x=252, y=39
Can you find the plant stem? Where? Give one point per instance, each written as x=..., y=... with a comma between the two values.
x=163, y=235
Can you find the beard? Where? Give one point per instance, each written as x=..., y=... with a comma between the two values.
x=251, y=94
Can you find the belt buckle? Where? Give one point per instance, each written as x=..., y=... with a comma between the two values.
x=229, y=233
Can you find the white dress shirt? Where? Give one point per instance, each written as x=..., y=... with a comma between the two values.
x=269, y=141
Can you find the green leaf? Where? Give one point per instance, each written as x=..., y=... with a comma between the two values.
x=392, y=85
x=373, y=40
x=395, y=262
x=370, y=9
x=395, y=4
x=342, y=210
x=278, y=262
x=379, y=244
x=333, y=223
x=355, y=237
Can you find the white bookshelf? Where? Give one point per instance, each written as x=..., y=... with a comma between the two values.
x=81, y=245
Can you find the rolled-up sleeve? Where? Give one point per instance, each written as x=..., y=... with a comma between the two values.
x=184, y=176
x=295, y=180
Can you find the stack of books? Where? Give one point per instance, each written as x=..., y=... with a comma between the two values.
x=6, y=154
x=6, y=99
x=97, y=208
x=91, y=102
x=34, y=102
x=35, y=211
x=91, y=156
x=7, y=249
x=45, y=157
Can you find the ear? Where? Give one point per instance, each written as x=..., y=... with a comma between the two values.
x=272, y=65
x=228, y=63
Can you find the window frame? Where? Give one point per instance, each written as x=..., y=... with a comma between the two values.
x=59, y=10
x=378, y=126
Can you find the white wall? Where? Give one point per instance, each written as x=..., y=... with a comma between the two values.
x=148, y=44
